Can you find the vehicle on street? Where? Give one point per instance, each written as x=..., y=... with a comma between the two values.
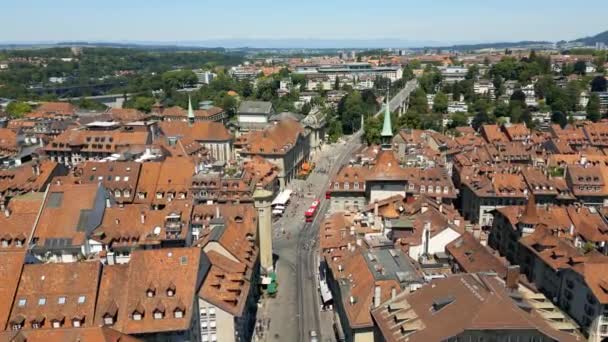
x=309, y=214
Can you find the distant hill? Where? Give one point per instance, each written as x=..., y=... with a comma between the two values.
x=498, y=46
x=598, y=38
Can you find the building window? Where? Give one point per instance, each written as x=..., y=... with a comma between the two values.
x=178, y=313
x=41, y=301
x=158, y=315
x=81, y=299
x=108, y=320
x=116, y=193
x=56, y=324
x=16, y=326
x=136, y=316
x=61, y=300
x=22, y=302
x=76, y=323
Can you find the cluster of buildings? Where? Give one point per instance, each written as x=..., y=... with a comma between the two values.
x=142, y=227
x=507, y=225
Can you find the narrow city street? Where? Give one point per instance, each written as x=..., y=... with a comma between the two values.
x=295, y=311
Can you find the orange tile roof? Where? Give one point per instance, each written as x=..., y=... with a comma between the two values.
x=93, y=334
x=10, y=272
x=157, y=270
x=277, y=139
x=203, y=131
x=57, y=291
x=61, y=213
x=487, y=302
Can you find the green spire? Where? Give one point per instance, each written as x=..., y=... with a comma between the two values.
x=190, y=111
x=387, y=127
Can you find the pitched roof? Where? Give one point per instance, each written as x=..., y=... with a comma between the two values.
x=255, y=107
x=93, y=334
x=66, y=214
x=203, y=131
x=434, y=312
x=473, y=257
x=276, y=139
x=161, y=268
x=10, y=272
x=58, y=291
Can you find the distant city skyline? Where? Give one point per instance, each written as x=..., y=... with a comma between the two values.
x=414, y=23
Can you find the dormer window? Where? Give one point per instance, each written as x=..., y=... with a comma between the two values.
x=159, y=311
x=57, y=323
x=137, y=316
x=77, y=322
x=5, y=243
x=108, y=320
x=151, y=291
x=178, y=313
x=171, y=290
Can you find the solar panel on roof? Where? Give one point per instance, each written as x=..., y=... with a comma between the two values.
x=55, y=200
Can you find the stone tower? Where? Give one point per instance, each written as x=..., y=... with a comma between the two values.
x=262, y=201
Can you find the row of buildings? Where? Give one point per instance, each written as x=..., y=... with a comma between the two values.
x=492, y=235
x=142, y=227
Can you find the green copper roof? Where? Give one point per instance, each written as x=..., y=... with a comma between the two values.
x=387, y=127
x=190, y=111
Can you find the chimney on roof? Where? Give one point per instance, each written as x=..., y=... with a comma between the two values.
x=376, y=208
x=142, y=217
x=377, y=296
x=393, y=293
x=36, y=169
x=108, y=203
x=512, y=278
x=217, y=211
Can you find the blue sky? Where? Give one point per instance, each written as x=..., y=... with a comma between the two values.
x=444, y=21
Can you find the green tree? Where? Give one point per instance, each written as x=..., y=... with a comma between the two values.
x=559, y=118
x=179, y=79
x=337, y=83
x=518, y=95
x=350, y=110
x=141, y=103
x=440, y=103
x=373, y=128
x=580, y=67
x=593, y=108
x=418, y=101
x=306, y=108
x=410, y=119
x=17, y=109
x=598, y=84
x=459, y=120
x=472, y=73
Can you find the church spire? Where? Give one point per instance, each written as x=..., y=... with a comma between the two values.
x=190, y=111
x=387, y=127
